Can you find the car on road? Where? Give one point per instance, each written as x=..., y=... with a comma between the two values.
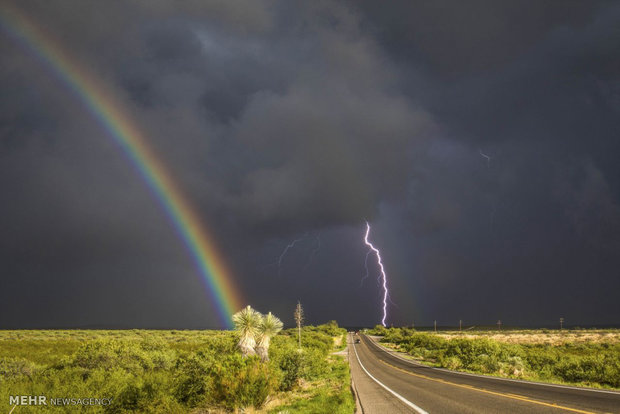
x=357, y=340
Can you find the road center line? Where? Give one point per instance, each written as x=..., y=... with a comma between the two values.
x=394, y=393
x=469, y=374
x=469, y=387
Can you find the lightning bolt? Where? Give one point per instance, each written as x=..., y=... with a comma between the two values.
x=366, y=267
x=286, y=249
x=383, y=275
x=315, y=250
x=487, y=157
x=378, y=278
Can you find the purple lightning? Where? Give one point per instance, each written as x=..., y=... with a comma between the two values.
x=383, y=275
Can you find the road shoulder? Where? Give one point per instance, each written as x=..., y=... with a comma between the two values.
x=372, y=399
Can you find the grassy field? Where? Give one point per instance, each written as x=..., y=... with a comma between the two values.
x=541, y=336
x=175, y=371
x=578, y=357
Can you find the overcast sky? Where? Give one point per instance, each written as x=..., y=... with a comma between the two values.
x=481, y=141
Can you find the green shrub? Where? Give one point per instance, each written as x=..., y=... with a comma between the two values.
x=314, y=363
x=11, y=368
x=148, y=393
x=451, y=362
x=592, y=369
x=192, y=382
x=593, y=364
x=239, y=382
x=317, y=340
x=169, y=371
x=394, y=335
x=334, y=397
x=484, y=363
x=330, y=328
x=308, y=363
x=378, y=330
x=474, y=352
x=109, y=353
x=286, y=357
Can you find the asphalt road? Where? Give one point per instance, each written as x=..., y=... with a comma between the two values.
x=417, y=388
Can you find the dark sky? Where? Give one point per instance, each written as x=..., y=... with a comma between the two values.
x=289, y=120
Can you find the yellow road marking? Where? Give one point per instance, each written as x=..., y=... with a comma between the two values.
x=469, y=387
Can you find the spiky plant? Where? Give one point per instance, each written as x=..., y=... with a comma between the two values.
x=269, y=327
x=299, y=319
x=247, y=322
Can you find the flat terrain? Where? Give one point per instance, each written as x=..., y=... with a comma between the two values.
x=589, y=358
x=170, y=371
x=542, y=336
x=430, y=389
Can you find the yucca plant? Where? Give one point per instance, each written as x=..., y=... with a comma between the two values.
x=269, y=327
x=247, y=322
x=299, y=319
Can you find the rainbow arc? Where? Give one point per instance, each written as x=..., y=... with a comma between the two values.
x=109, y=113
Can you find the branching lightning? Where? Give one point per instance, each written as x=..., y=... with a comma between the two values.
x=383, y=275
x=315, y=249
x=286, y=249
x=365, y=267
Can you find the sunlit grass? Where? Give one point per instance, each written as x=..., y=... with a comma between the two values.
x=175, y=371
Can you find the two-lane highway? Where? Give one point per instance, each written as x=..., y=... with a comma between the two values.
x=419, y=388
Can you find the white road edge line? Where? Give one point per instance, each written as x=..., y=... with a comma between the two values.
x=394, y=393
x=393, y=353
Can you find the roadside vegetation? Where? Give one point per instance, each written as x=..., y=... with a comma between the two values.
x=180, y=371
x=537, y=355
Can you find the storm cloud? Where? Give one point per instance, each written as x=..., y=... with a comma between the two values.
x=283, y=120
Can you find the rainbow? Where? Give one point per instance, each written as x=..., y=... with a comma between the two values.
x=110, y=115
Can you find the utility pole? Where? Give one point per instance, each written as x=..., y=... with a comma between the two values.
x=460, y=325
x=435, y=326
x=499, y=325
x=561, y=323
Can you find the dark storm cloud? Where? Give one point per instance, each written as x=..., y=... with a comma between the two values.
x=590, y=206
x=453, y=39
x=526, y=222
x=280, y=120
x=315, y=136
